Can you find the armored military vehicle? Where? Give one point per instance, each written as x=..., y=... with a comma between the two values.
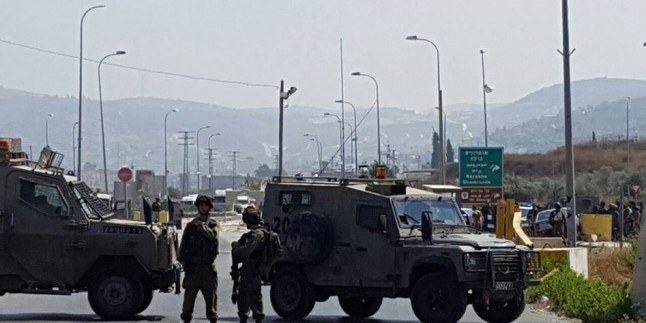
x=366, y=239
x=57, y=237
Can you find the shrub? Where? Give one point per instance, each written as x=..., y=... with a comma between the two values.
x=590, y=301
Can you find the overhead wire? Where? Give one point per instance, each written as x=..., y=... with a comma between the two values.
x=140, y=69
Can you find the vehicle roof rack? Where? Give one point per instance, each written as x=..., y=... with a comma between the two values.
x=301, y=179
x=373, y=181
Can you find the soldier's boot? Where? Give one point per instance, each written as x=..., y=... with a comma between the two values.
x=258, y=317
x=243, y=318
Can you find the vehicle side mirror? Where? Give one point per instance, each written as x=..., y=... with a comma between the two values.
x=427, y=226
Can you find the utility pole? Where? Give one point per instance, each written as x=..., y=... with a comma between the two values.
x=235, y=173
x=569, y=151
x=185, y=172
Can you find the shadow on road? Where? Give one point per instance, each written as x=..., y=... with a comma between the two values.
x=40, y=317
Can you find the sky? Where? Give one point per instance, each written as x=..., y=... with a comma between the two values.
x=263, y=42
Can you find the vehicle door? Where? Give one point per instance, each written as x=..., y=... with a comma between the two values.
x=373, y=252
x=37, y=237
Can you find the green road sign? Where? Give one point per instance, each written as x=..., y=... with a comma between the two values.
x=481, y=167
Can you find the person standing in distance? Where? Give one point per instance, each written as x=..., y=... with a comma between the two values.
x=249, y=251
x=557, y=221
x=197, y=252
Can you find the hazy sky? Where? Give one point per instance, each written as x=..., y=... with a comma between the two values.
x=266, y=41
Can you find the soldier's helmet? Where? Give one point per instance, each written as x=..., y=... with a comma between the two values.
x=250, y=215
x=203, y=199
x=557, y=205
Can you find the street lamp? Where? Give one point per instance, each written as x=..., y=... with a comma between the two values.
x=341, y=143
x=485, y=89
x=627, y=131
x=166, y=150
x=319, y=149
x=81, y=89
x=105, y=167
x=197, y=145
x=73, y=146
x=378, y=121
x=439, y=98
x=356, y=141
x=47, y=129
x=281, y=101
x=211, y=161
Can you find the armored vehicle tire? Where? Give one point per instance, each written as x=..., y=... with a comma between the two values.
x=116, y=296
x=503, y=312
x=148, y=298
x=436, y=299
x=360, y=307
x=292, y=295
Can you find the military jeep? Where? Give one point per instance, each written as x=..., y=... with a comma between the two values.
x=57, y=237
x=363, y=239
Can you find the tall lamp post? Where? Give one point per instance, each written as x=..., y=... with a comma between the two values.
x=166, y=150
x=73, y=146
x=440, y=107
x=485, y=89
x=81, y=90
x=211, y=161
x=627, y=131
x=105, y=165
x=281, y=101
x=47, y=129
x=356, y=141
x=318, y=149
x=197, y=146
x=341, y=143
x=378, y=121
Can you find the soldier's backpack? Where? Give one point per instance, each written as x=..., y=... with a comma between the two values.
x=273, y=247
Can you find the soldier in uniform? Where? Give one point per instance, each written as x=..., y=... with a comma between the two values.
x=249, y=251
x=557, y=221
x=197, y=252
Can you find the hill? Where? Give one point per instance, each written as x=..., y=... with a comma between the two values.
x=588, y=157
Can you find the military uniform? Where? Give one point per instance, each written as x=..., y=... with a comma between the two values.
x=197, y=253
x=249, y=251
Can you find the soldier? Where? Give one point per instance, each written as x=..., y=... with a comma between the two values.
x=557, y=220
x=197, y=253
x=477, y=218
x=249, y=251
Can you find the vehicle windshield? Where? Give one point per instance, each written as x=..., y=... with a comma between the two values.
x=91, y=205
x=219, y=199
x=444, y=211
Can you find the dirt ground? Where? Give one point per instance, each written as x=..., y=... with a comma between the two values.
x=610, y=265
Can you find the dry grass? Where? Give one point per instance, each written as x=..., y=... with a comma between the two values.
x=587, y=157
x=609, y=265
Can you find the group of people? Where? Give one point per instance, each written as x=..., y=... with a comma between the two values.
x=198, y=251
x=631, y=213
x=480, y=217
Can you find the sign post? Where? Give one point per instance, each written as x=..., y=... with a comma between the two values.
x=125, y=175
x=481, y=174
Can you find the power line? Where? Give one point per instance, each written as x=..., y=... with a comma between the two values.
x=140, y=69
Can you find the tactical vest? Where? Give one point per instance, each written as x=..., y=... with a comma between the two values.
x=199, y=249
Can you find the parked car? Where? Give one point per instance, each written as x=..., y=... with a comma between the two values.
x=468, y=214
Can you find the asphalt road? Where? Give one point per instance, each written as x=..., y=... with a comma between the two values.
x=166, y=307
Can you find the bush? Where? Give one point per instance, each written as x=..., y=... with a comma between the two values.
x=590, y=301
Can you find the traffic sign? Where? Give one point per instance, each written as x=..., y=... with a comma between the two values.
x=480, y=195
x=125, y=174
x=481, y=166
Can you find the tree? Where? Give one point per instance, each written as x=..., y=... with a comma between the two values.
x=450, y=153
x=435, y=156
x=252, y=183
x=264, y=171
x=594, y=137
